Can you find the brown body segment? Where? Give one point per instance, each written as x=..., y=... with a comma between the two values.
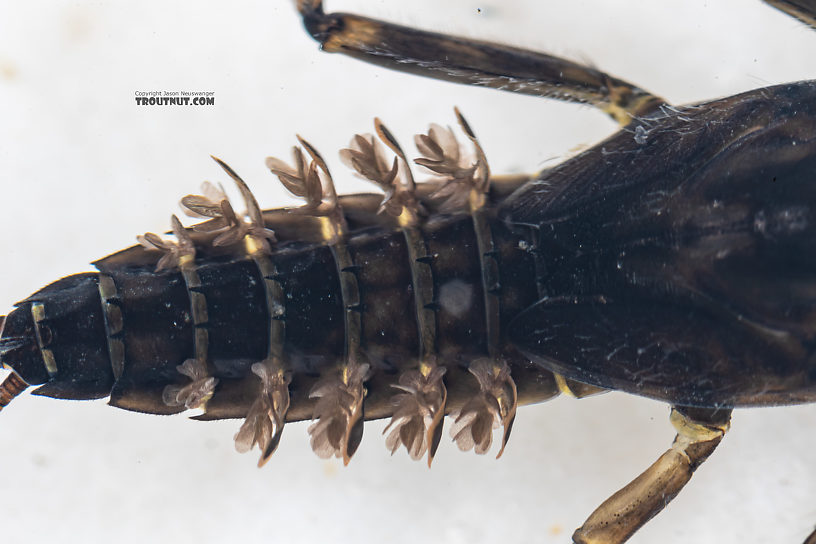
x=158, y=332
x=533, y=264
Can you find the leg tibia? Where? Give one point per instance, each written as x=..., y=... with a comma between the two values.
x=474, y=62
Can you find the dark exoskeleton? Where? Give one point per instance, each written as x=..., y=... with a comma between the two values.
x=675, y=260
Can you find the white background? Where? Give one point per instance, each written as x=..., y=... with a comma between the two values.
x=83, y=170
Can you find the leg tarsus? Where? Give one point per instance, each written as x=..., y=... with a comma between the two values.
x=699, y=432
x=319, y=25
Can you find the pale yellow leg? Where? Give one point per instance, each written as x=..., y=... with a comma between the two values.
x=577, y=390
x=699, y=432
